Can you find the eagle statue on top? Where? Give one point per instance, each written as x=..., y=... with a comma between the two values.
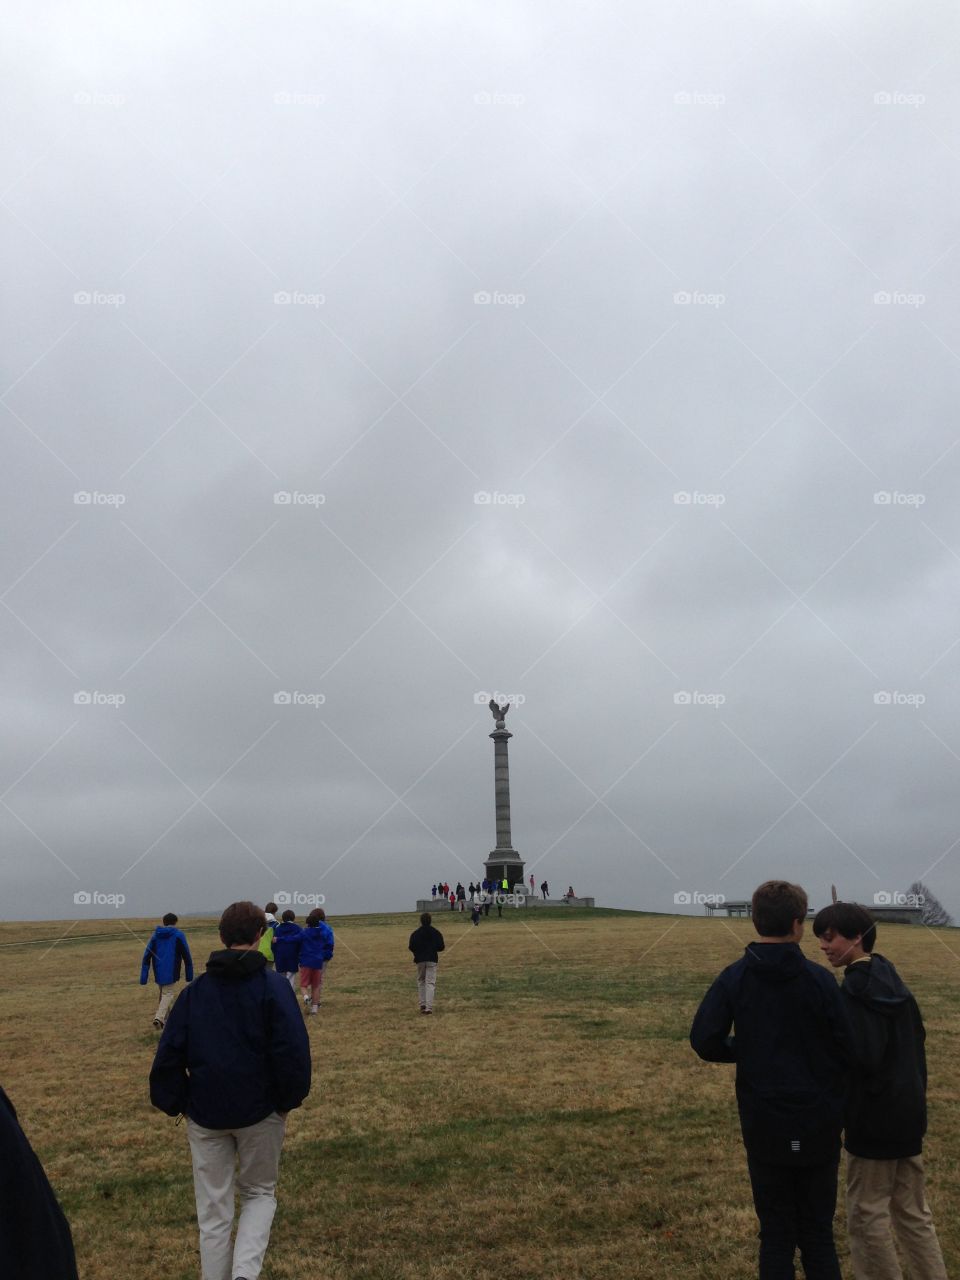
x=499, y=713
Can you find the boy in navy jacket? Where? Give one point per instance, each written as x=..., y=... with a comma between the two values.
x=286, y=948
x=791, y=1047
x=165, y=950
x=35, y=1240
x=235, y=1058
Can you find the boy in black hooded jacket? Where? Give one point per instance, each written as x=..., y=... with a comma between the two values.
x=791, y=1050
x=886, y=1112
x=235, y=1058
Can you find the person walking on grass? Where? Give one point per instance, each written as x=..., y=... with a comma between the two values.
x=35, y=1239
x=164, y=952
x=266, y=942
x=886, y=1111
x=426, y=943
x=316, y=952
x=791, y=1046
x=286, y=948
x=234, y=1057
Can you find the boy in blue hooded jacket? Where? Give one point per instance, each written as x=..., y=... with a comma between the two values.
x=164, y=952
x=286, y=948
x=316, y=951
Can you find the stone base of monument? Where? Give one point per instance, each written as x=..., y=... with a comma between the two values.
x=515, y=901
x=561, y=902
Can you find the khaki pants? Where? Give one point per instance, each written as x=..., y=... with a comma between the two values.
x=426, y=982
x=255, y=1151
x=890, y=1193
x=167, y=996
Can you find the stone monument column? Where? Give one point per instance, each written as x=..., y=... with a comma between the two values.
x=504, y=862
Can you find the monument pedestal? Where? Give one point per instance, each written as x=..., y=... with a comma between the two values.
x=505, y=864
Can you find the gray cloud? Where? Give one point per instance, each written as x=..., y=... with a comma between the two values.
x=680, y=298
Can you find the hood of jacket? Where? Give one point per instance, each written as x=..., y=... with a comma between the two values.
x=877, y=985
x=165, y=931
x=234, y=966
x=289, y=929
x=774, y=961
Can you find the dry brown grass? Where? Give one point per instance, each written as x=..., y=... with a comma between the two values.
x=549, y=1121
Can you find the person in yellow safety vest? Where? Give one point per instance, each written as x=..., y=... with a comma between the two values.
x=266, y=942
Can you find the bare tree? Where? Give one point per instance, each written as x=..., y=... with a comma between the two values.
x=932, y=910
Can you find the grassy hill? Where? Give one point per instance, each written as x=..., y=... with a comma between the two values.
x=549, y=1121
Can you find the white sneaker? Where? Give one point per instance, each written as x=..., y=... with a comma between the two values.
x=306, y=999
x=313, y=1008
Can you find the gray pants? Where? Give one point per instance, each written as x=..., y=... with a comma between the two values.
x=426, y=982
x=250, y=1157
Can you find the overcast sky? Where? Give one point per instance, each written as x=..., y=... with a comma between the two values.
x=673, y=288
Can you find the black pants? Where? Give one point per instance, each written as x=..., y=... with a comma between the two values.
x=796, y=1207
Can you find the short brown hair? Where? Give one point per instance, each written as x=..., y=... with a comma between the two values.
x=315, y=916
x=241, y=923
x=848, y=919
x=776, y=905
x=288, y=915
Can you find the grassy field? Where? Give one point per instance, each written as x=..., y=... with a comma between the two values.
x=549, y=1121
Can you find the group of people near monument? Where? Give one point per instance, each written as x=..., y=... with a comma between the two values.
x=458, y=894
x=816, y=1060
x=818, y=1065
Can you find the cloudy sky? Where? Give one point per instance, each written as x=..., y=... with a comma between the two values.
x=363, y=360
